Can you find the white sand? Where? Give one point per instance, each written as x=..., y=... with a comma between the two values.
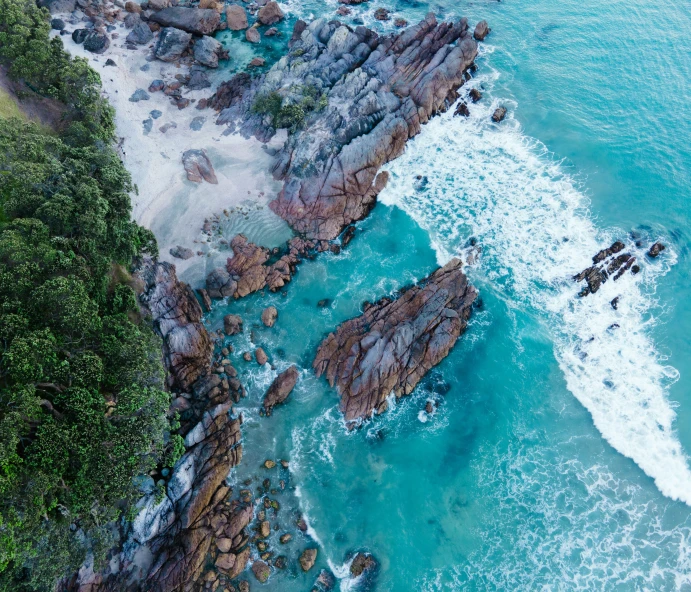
x=173, y=207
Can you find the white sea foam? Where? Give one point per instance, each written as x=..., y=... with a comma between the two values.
x=492, y=182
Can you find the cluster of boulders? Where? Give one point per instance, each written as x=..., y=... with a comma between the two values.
x=395, y=342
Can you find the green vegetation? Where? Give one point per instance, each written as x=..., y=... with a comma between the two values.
x=8, y=107
x=82, y=406
x=290, y=114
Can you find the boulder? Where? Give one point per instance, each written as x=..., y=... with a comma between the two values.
x=79, y=35
x=180, y=252
x=232, y=324
x=260, y=356
x=481, y=31
x=462, y=109
x=382, y=14
x=139, y=95
x=307, y=559
x=57, y=24
x=499, y=115
x=158, y=4
x=207, y=51
x=269, y=316
x=392, y=345
x=252, y=35
x=200, y=21
x=140, y=34
x=655, y=250
x=96, y=42
x=171, y=44
x=261, y=571
x=256, y=62
x=199, y=79
x=198, y=167
x=219, y=284
x=475, y=95
x=361, y=562
x=270, y=13
x=280, y=388
x=236, y=17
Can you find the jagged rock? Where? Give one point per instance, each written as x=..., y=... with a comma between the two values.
x=270, y=13
x=181, y=252
x=269, y=316
x=307, y=559
x=655, y=250
x=139, y=95
x=391, y=346
x=261, y=571
x=230, y=93
x=171, y=44
x=132, y=19
x=280, y=388
x=140, y=34
x=96, y=42
x=260, y=356
x=232, y=324
x=400, y=22
x=499, y=114
x=475, y=95
x=382, y=14
x=200, y=21
x=219, y=283
x=462, y=109
x=198, y=166
x=379, y=92
x=206, y=299
x=360, y=563
x=481, y=31
x=252, y=35
x=597, y=274
x=236, y=18
x=207, y=51
x=256, y=62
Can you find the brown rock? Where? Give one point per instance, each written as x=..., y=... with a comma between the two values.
x=261, y=571
x=236, y=18
x=260, y=356
x=133, y=7
x=257, y=62
x=224, y=545
x=481, y=31
x=197, y=164
x=656, y=249
x=307, y=559
x=264, y=529
x=269, y=464
x=232, y=324
x=499, y=115
x=269, y=316
x=225, y=561
x=360, y=563
x=270, y=13
x=280, y=388
x=286, y=538
x=252, y=35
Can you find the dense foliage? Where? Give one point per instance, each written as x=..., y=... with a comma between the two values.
x=290, y=113
x=82, y=406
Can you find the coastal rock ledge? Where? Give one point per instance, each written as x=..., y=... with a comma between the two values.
x=393, y=344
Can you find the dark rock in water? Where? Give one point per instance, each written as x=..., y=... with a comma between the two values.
x=462, y=109
x=481, y=31
x=261, y=571
x=206, y=300
x=200, y=21
x=252, y=35
x=400, y=22
x=615, y=303
x=420, y=183
x=361, y=563
x=635, y=269
x=79, y=35
x=181, y=252
x=307, y=559
x=499, y=115
x=272, y=32
x=140, y=34
x=391, y=346
x=96, y=42
x=409, y=76
x=475, y=95
x=324, y=303
x=655, y=250
x=171, y=44
x=382, y=14
x=232, y=324
x=606, y=266
x=270, y=13
x=269, y=316
x=604, y=253
x=57, y=24
x=347, y=236
x=139, y=95
x=198, y=167
x=326, y=580
x=280, y=388
x=281, y=562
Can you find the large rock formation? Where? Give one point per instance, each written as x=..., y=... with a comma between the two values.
x=391, y=346
x=200, y=21
x=376, y=93
x=606, y=263
x=280, y=388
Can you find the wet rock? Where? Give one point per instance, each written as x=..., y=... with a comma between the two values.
x=269, y=316
x=171, y=44
x=140, y=34
x=206, y=300
x=198, y=167
x=180, y=252
x=400, y=23
x=307, y=559
x=232, y=324
x=481, y=31
x=139, y=95
x=280, y=562
x=252, y=35
x=462, y=109
x=655, y=250
x=269, y=464
x=280, y=388
x=475, y=95
x=608, y=252
x=615, y=303
x=391, y=346
x=264, y=529
x=260, y=356
x=200, y=21
x=361, y=563
x=270, y=13
x=207, y=51
x=607, y=263
x=499, y=115
x=257, y=62
x=382, y=14
x=272, y=32
x=261, y=571
x=236, y=18
x=324, y=303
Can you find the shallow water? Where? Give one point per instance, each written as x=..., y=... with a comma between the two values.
x=558, y=457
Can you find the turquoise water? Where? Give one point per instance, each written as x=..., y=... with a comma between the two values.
x=557, y=459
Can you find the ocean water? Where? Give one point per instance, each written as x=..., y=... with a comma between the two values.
x=558, y=458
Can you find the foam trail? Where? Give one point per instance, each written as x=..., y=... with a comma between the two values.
x=493, y=182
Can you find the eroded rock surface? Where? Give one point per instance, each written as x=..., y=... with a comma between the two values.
x=606, y=263
x=200, y=21
x=198, y=167
x=280, y=388
x=391, y=346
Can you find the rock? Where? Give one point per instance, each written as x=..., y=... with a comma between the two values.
x=224, y=544
x=481, y=31
x=139, y=95
x=58, y=6
x=225, y=561
x=269, y=316
x=132, y=19
x=256, y=62
x=264, y=529
x=207, y=51
x=57, y=24
x=236, y=18
x=166, y=126
x=206, y=300
x=280, y=562
x=133, y=7
x=260, y=356
x=171, y=44
x=272, y=32
x=361, y=563
x=475, y=95
x=96, y=42
x=382, y=14
x=499, y=115
x=198, y=167
x=197, y=123
x=110, y=62
x=247, y=356
x=391, y=346
x=324, y=303
x=199, y=79
x=280, y=388
x=400, y=22
x=270, y=13
x=156, y=86
x=244, y=586
x=606, y=265
x=79, y=35
x=140, y=34
x=158, y=4
x=261, y=571
x=307, y=559
x=429, y=408
x=200, y=21
x=462, y=109
x=269, y=464
x=232, y=324
x=285, y=538
x=615, y=303
x=655, y=250
x=343, y=11
x=252, y=35
x=180, y=252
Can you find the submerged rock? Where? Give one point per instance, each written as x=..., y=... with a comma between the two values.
x=280, y=388
x=232, y=324
x=361, y=563
x=655, y=250
x=499, y=115
x=391, y=346
x=607, y=263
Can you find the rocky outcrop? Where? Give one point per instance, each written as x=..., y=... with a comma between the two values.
x=199, y=167
x=280, y=388
x=200, y=21
x=481, y=31
x=377, y=92
x=269, y=316
x=391, y=346
x=207, y=51
x=171, y=44
x=140, y=35
x=607, y=263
